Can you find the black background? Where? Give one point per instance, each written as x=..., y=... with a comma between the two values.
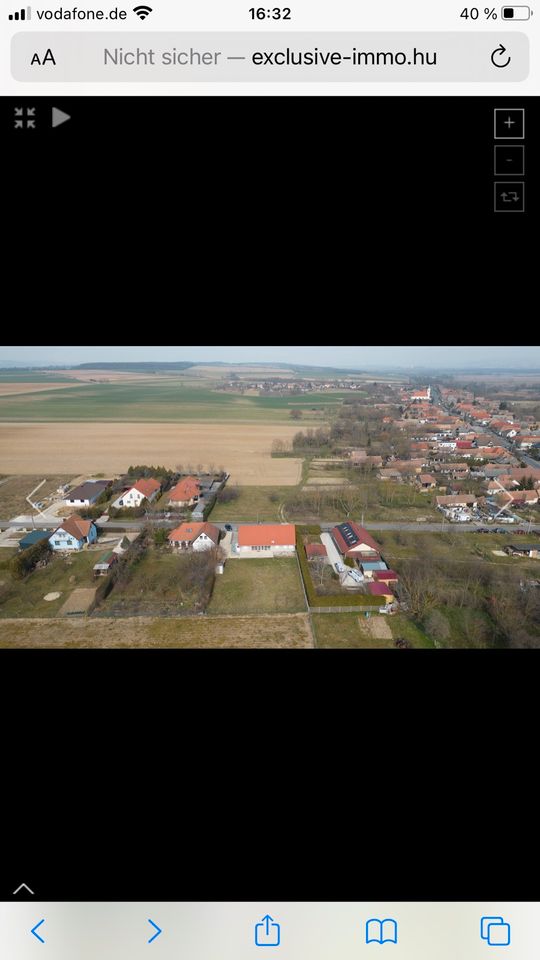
x=412, y=162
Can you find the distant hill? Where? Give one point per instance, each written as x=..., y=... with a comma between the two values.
x=134, y=367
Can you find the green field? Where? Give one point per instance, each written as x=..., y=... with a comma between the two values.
x=258, y=586
x=24, y=598
x=162, y=400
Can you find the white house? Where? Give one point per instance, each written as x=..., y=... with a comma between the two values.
x=145, y=489
x=194, y=536
x=73, y=534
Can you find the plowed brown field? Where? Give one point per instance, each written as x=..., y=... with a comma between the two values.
x=242, y=449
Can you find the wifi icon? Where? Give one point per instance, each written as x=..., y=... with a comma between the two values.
x=142, y=11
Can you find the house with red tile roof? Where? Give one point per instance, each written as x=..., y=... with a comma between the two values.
x=314, y=550
x=194, y=536
x=426, y=481
x=266, y=539
x=186, y=492
x=144, y=489
x=386, y=576
x=353, y=541
x=381, y=590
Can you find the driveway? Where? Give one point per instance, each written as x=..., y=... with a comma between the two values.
x=226, y=544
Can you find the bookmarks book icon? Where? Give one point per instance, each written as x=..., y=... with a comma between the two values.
x=381, y=931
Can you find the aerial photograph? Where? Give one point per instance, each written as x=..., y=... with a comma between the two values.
x=270, y=497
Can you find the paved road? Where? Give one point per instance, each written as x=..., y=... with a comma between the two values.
x=446, y=527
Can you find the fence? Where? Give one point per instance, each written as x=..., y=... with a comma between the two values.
x=358, y=610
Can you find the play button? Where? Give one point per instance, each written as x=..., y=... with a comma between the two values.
x=58, y=117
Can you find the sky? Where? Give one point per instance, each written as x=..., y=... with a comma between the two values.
x=361, y=357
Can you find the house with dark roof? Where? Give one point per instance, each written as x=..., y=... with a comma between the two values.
x=87, y=493
x=35, y=536
x=73, y=534
x=531, y=550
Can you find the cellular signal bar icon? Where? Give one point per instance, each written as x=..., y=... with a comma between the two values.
x=24, y=14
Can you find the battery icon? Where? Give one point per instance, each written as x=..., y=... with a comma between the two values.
x=516, y=13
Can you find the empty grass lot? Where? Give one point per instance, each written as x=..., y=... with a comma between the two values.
x=14, y=491
x=258, y=586
x=24, y=598
x=253, y=503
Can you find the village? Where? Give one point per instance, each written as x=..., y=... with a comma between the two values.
x=170, y=542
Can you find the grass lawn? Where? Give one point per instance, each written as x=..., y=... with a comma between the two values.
x=24, y=598
x=347, y=631
x=253, y=504
x=404, y=628
x=258, y=586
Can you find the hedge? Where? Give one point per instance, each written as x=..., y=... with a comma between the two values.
x=24, y=562
x=208, y=508
x=335, y=600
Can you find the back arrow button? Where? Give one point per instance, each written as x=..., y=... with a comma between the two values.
x=33, y=930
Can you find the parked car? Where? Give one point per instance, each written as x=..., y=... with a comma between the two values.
x=483, y=530
x=228, y=526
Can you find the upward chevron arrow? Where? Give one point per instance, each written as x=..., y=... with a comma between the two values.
x=25, y=887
